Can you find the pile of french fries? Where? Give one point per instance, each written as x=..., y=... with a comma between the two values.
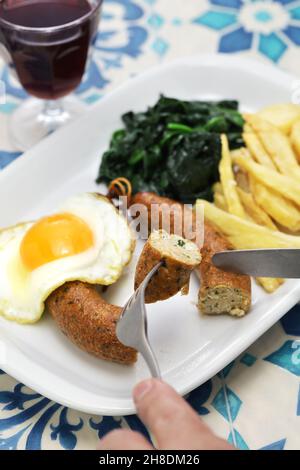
x=257, y=201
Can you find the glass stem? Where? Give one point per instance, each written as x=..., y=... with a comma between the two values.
x=53, y=107
x=53, y=115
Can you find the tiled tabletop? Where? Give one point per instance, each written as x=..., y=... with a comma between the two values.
x=255, y=401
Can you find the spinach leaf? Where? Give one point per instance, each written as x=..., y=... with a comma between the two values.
x=173, y=148
x=192, y=165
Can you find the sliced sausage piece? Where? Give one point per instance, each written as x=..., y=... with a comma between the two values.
x=179, y=257
x=220, y=291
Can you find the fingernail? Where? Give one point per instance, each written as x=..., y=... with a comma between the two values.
x=142, y=389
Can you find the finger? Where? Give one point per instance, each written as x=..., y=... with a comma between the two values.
x=173, y=423
x=123, y=439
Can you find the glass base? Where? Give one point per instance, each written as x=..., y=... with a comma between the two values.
x=35, y=119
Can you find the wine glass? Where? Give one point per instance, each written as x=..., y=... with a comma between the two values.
x=48, y=44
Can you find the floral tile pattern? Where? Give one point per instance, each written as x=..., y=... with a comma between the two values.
x=255, y=401
x=268, y=26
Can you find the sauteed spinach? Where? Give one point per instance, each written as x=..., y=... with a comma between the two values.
x=173, y=148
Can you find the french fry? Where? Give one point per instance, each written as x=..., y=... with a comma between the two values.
x=295, y=138
x=228, y=181
x=259, y=216
x=279, y=208
x=277, y=145
x=285, y=185
x=220, y=201
x=219, y=198
x=282, y=116
x=270, y=284
x=256, y=213
x=244, y=234
x=256, y=148
x=262, y=218
x=242, y=179
x=217, y=188
x=270, y=160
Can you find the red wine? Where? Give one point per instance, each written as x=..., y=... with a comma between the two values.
x=49, y=65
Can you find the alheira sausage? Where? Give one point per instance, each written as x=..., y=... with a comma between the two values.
x=90, y=322
x=220, y=292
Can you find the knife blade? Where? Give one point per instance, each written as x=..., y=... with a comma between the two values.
x=279, y=262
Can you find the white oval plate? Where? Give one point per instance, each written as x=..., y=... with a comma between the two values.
x=190, y=348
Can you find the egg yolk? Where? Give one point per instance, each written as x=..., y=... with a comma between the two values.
x=53, y=238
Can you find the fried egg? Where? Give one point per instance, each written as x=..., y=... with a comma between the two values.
x=87, y=239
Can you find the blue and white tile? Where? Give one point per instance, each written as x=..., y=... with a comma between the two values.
x=268, y=398
x=202, y=399
x=268, y=27
x=254, y=402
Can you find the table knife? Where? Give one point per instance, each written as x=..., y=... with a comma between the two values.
x=279, y=262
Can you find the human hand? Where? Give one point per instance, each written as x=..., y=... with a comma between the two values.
x=173, y=424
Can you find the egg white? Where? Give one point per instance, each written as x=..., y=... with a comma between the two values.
x=23, y=292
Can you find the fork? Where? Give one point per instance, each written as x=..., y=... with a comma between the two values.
x=132, y=328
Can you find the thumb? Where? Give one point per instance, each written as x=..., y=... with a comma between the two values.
x=172, y=422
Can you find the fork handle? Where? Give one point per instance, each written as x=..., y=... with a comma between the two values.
x=148, y=355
